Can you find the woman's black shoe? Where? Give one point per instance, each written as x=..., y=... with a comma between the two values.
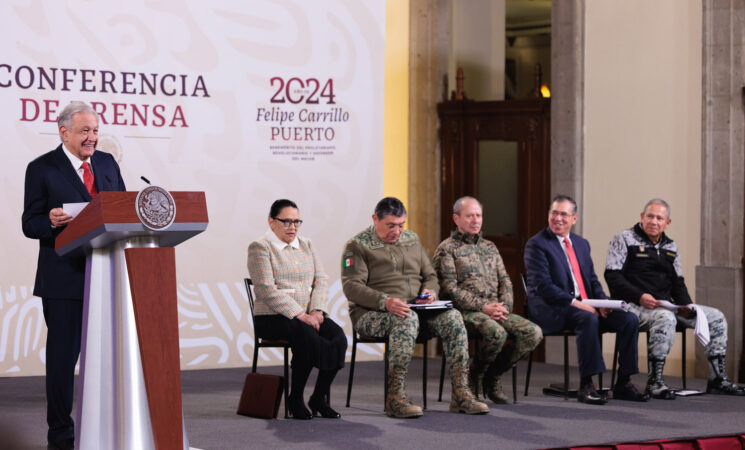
x=319, y=405
x=298, y=409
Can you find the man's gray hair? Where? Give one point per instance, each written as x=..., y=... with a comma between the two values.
x=459, y=204
x=65, y=116
x=561, y=198
x=657, y=201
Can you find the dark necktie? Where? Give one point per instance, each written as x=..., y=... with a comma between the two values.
x=88, y=180
x=575, y=268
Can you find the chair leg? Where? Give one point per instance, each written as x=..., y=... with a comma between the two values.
x=256, y=356
x=615, y=364
x=566, y=367
x=351, y=366
x=600, y=375
x=385, y=373
x=514, y=384
x=442, y=376
x=527, y=375
x=683, y=363
x=287, y=381
x=424, y=377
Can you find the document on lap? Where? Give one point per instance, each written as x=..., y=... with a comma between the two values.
x=437, y=304
x=702, y=324
x=607, y=304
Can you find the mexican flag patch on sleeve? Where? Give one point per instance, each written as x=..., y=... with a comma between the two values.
x=348, y=260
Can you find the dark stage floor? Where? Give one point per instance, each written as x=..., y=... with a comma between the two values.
x=211, y=397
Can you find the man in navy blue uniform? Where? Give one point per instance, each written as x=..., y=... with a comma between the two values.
x=73, y=172
x=560, y=275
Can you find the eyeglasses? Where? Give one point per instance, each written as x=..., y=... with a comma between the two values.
x=289, y=222
x=562, y=214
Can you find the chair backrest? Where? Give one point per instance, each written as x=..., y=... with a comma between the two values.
x=524, y=280
x=249, y=292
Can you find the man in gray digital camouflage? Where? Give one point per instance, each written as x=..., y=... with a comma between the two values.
x=643, y=267
x=472, y=274
x=383, y=267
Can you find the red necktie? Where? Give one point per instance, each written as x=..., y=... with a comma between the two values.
x=88, y=180
x=575, y=268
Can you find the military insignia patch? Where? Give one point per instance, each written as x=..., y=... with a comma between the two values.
x=641, y=248
x=348, y=262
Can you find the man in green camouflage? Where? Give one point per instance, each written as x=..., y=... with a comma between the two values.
x=472, y=274
x=383, y=267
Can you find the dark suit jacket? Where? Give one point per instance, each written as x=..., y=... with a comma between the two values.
x=550, y=287
x=51, y=181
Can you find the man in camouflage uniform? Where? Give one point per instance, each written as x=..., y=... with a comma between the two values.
x=643, y=267
x=383, y=267
x=472, y=274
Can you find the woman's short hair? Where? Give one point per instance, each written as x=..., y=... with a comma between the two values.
x=279, y=205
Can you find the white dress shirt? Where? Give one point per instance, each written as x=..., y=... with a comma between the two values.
x=77, y=164
x=566, y=255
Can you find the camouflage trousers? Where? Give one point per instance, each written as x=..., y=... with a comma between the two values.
x=660, y=324
x=402, y=333
x=492, y=351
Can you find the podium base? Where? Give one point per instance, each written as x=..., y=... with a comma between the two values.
x=112, y=404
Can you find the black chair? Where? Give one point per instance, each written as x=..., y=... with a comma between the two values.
x=423, y=338
x=565, y=334
x=679, y=328
x=263, y=343
x=476, y=341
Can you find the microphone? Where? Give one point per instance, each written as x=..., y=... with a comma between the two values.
x=145, y=180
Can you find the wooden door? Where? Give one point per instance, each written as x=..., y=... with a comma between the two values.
x=498, y=152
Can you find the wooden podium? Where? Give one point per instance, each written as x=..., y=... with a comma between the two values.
x=129, y=389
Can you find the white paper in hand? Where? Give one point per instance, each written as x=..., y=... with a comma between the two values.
x=74, y=209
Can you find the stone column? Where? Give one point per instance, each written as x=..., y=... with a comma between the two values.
x=428, y=46
x=719, y=278
x=567, y=99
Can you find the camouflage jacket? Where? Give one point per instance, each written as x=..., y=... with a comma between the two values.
x=472, y=272
x=372, y=271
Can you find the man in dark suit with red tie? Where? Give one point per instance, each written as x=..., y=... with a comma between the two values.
x=560, y=275
x=73, y=172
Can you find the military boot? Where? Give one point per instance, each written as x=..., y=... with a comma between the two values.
x=718, y=382
x=397, y=403
x=493, y=390
x=461, y=398
x=476, y=379
x=656, y=387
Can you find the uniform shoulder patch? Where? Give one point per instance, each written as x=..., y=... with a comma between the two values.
x=347, y=260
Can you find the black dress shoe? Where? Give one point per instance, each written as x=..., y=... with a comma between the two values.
x=723, y=386
x=629, y=392
x=297, y=409
x=319, y=405
x=66, y=444
x=588, y=394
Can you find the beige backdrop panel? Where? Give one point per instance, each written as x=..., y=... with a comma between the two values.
x=643, y=126
x=216, y=68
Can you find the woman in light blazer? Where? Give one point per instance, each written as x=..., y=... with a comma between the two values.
x=291, y=290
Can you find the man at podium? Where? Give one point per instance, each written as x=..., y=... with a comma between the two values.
x=74, y=172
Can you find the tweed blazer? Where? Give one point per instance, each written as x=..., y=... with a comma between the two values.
x=290, y=281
